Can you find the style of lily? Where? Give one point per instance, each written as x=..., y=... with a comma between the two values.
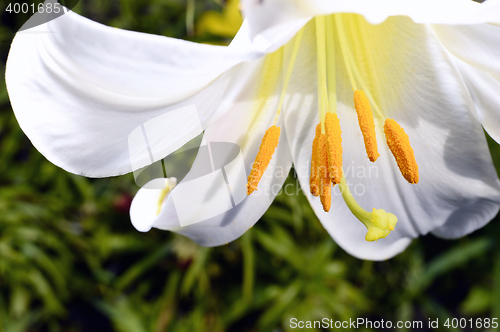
x=377, y=104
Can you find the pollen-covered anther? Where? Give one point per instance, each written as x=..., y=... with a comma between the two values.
x=314, y=177
x=399, y=144
x=325, y=187
x=366, y=124
x=263, y=158
x=380, y=225
x=334, y=143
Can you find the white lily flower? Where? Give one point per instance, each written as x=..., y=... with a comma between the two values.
x=430, y=70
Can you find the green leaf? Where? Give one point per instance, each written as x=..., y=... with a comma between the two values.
x=248, y=266
x=477, y=301
x=139, y=268
x=456, y=257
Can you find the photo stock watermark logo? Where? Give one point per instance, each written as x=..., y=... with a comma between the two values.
x=211, y=176
x=30, y=14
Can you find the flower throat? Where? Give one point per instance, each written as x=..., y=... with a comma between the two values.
x=326, y=158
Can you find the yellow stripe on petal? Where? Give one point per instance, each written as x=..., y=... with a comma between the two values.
x=263, y=158
x=163, y=194
x=170, y=184
x=366, y=124
x=334, y=142
x=314, y=178
x=399, y=144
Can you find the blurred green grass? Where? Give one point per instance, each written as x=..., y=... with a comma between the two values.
x=71, y=261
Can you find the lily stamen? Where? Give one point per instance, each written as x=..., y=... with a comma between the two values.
x=399, y=144
x=263, y=158
x=326, y=160
x=271, y=137
x=324, y=174
x=361, y=103
x=321, y=150
x=366, y=124
x=334, y=142
x=326, y=163
x=397, y=140
x=270, y=74
x=314, y=179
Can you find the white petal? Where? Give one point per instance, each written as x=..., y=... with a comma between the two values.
x=269, y=40
x=79, y=88
x=414, y=82
x=477, y=50
x=476, y=45
x=246, y=128
x=268, y=14
x=144, y=207
x=469, y=219
x=264, y=15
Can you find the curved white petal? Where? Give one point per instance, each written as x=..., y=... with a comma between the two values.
x=80, y=89
x=244, y=126
x=467, y=220
x=414, y=81
x=146, y=202
x=269, y=40
x=477, y=50
x=476, y=45
x=264, y=15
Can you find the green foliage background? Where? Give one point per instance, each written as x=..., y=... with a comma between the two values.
x=70, y=259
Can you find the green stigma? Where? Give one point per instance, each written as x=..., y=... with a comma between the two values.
x=381, y=224
x=378, y=222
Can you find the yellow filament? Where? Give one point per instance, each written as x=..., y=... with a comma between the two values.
x=360, y=30
x=323, y=105
x=334, y=143
x=366, y=124
x=324, y=177
x=345, y=47
x=378, y=222
x=330, y=55
x=365, y=88
x=347, y=51
x=361, y=103
x=263, y=158
x=271, y=72
x=295, y=51
x=399, y=144
x=315, y=178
